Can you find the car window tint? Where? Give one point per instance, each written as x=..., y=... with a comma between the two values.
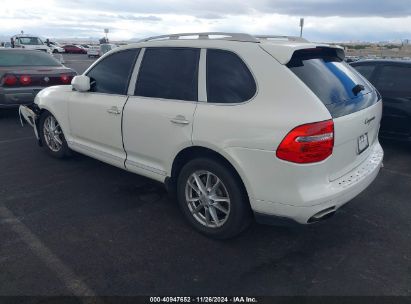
x=228, y=78
x=333, y=81
x=112, y=74
x=170, y=73
x=394, y=78
x=365, y=70
x=327, y=75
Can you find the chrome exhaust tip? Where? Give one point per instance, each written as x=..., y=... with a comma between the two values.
x=322, y=215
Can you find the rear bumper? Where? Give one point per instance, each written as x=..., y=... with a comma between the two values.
x=10, y=98
x=30, y=114
x=339, y=193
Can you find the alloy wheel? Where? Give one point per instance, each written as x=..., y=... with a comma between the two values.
x=207, y=198
x=52, y=134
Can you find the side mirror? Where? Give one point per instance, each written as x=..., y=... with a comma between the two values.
x=81, y=83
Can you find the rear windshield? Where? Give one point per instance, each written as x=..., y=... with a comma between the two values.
x=336, y=84
x=26, y=58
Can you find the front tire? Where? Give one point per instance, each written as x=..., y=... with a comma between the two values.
x=213, y=199
x=52, y=136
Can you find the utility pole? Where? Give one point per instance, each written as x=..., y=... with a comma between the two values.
x=301, y=26
x=106, y=30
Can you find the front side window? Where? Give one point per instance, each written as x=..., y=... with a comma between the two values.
x=112, y=74
x=228, y=78
x=170, y=73
x=394, y=78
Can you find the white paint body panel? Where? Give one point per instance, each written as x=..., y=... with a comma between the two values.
x=151, y=139
x=94, y=131
x=246, y=134
x=283, y=50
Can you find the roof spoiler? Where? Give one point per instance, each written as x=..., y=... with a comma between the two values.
x=284, y=52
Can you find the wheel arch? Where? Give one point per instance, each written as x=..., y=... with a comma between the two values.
x=55, y=101
x=39, y=112
x=192, y=152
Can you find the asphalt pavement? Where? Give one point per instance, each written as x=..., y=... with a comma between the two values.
x=81, y=227
x=77, y=62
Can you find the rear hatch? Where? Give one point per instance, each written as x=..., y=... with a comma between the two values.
x=351, y=100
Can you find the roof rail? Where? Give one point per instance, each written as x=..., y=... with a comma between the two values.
x=279, y=38
x=208, y=35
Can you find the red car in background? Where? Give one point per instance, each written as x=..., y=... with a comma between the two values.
x=74, y=49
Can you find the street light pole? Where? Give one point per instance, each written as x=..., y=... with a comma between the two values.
x=106, y=30
x=301, y=26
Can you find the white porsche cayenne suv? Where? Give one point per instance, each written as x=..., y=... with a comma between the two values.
x=239, y=126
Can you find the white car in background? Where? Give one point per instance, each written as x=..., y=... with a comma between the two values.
x=237, y=125
x=93, y=51
x=30, y=42
x=106, y=47
x=56, y=47
x=100, y=50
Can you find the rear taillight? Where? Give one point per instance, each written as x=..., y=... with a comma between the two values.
x=308, y=143
x=9, y=80
x=66, y=79
x=25, y=80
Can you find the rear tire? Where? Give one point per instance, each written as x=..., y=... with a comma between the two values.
x=52, y=136
x=213, y=199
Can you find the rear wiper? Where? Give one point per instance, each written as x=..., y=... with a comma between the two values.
x=357, y=89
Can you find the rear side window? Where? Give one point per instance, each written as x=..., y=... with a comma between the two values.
x=365, y=70
x=112, y=74
x=228, y=78
x=170, y=73
x=394, y=78
x=341, y=89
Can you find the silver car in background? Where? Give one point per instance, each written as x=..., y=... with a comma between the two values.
x=24, y=73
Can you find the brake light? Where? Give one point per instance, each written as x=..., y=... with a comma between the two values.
x=25, y=80
x=308, y=143
x=66, y=79
x=9, y=80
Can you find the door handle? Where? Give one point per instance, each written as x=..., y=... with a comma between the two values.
x=180, y=119
x=114, y=110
